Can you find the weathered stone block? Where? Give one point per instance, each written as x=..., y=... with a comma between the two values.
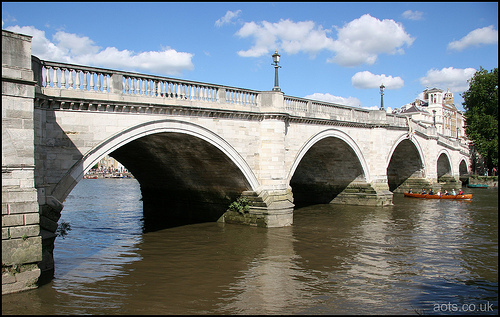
x=24, y=231
x=18, y=251
x=12, y=220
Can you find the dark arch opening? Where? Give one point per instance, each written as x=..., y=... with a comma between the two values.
x=443, y=167
x=405, y=163
x=463, y=172
x=324, y=172
x=183, y=179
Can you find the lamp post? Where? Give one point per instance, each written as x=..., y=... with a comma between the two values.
x=382, y=87
x=276, y=60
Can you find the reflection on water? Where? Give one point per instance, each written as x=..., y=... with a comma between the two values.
x=409, y=258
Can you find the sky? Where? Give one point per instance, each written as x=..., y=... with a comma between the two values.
x=330, y=51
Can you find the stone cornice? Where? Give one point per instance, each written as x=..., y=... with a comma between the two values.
x=125, y=107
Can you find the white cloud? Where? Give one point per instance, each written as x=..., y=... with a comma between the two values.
x=72, y=48
x=486, y=35
x=359, y=41
x=453, y=78
x=367, y=80
x=350, y=101
x=285, y=35
x=362, y=40
x=228, y=18
x=413, y=15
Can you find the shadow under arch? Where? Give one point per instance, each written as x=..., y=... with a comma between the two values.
x=325, y=166
x=463, y=169
x=444, y=166
x=406, y=165
x=158, y=153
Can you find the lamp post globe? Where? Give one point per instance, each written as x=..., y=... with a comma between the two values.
x=276, y=60
x=382, y=87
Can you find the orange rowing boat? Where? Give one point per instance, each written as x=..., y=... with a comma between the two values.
x=427, y=196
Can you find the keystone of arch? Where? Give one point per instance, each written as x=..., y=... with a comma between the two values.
x=326, y=134
x=130, y=134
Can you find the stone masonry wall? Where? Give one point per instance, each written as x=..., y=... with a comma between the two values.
x=21, y=241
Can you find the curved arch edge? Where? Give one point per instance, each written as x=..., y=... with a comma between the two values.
x=76, y=173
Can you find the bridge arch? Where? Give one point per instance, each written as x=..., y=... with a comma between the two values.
x=405, y=163
x=325, y=165
x=326, y=134
x=76, y=173
x=444, y=165
x=463, y=169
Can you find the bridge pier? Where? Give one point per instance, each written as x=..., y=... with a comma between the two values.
x=365, y=194
x=267, y=209
x=21, y=241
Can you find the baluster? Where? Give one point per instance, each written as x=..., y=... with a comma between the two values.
x=70, y=79
x=169, y=90
x=98, y=79
x=55, y=77
x=164, y=88
x=192, y=93
x=104, y=83
x=85, y=80
x=155, y=88
x=145, y=87
x=63, y=78
x=178, y=91
x=195, y=93
x=201, y=93
x=92, y=81
x=47, y=76
x=132, y=88
x=77, y=79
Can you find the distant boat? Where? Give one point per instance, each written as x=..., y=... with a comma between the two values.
x=427, y=196
x=477, y=185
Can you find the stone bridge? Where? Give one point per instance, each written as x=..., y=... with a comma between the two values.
x=194, y=148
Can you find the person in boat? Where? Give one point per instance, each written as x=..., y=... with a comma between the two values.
x=461, y=192
x=446, y=192
x=410, y=191
x=453, y=192
x=438, y=193
x=431, y=192
x=423, y=191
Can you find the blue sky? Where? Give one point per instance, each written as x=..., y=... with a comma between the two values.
x=338, y=52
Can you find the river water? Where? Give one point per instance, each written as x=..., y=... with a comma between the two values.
x=416, y=257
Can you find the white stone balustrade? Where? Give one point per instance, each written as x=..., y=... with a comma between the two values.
x=92, y=79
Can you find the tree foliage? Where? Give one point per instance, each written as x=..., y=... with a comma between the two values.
x=481, y=116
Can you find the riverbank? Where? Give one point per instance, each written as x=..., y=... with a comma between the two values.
x=100, y=175
x=491, y=181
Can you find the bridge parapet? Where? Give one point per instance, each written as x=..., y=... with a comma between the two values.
x=61, y=76
x=92, y=83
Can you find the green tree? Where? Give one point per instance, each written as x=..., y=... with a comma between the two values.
x=481, y=114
